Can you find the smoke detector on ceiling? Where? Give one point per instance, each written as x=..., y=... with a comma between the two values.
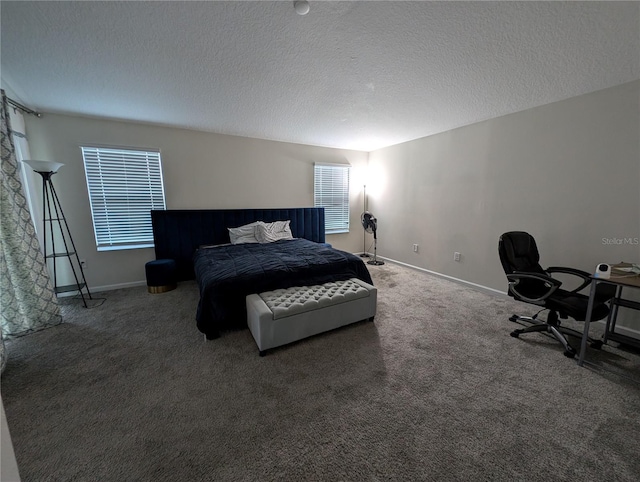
x=301, y=6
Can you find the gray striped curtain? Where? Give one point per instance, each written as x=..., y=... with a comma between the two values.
x=27, y=300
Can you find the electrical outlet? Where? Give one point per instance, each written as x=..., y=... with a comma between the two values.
x=415, y=248
x=456, y=256
x=83, y=263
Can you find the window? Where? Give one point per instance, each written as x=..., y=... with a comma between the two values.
x=21, y=145
x=331, y=191
x=124, y=186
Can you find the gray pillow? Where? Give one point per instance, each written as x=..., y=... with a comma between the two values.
x=244, y=234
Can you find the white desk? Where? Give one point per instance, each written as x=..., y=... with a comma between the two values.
x=620, y=279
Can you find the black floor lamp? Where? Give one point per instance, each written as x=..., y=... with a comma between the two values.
x=52, y=213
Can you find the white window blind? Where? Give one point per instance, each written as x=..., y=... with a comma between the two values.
x=124, y=186
x=331, y=191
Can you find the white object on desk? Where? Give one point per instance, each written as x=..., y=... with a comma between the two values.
x=603, y=271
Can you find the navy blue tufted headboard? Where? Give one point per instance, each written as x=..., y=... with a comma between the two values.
x=177, y=233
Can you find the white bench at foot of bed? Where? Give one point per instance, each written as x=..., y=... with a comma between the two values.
x=278, y=317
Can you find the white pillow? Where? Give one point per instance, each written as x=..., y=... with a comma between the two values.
x=244, y=234
x=270, y=232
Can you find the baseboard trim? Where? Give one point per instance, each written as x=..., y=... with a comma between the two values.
x=623, y=330
x=450, y=278
x=118, y=286
x=98, y=289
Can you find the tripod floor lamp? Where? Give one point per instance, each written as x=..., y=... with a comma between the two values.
x=55, y=230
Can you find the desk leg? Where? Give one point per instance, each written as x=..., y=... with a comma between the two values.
x=613, y=314
x=587, y=322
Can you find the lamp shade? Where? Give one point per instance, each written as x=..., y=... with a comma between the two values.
x=43, y=166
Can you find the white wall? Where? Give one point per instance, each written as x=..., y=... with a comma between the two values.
x=201, y=171
x=567, y=172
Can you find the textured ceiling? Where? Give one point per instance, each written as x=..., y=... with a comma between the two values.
x=359, y=75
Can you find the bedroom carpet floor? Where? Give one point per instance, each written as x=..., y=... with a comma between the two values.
x=435, y=389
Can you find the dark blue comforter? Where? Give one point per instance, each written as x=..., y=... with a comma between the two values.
x=227, y=274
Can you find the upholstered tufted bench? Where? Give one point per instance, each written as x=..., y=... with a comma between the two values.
x=278, y=317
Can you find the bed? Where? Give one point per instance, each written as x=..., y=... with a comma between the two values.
x=198, y=240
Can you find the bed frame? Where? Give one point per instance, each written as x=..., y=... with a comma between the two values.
x=177, y=233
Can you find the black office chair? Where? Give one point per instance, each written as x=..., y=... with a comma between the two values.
x=529, y=283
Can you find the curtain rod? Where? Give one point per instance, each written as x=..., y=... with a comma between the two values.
x=24, y=109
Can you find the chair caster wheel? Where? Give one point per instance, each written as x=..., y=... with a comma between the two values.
x=515, y=333
x=596, y=344
x=513, y=318
x=569, y=353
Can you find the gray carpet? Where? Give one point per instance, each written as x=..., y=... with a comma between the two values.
x=435, y=389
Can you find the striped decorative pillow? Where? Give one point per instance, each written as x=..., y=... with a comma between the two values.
x=270, y=232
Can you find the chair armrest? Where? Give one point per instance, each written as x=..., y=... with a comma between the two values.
x=550, y=283
x=586, y=277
